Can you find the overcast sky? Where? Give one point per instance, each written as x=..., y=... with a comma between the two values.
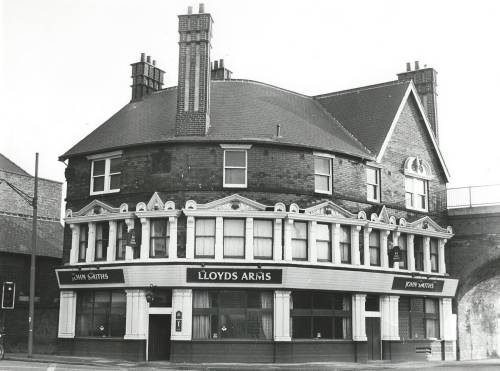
x=65, y=64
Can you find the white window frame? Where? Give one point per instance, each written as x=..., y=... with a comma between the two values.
x=235, y=148
x=329, y=175
x=414, y=193
x=377, y=185
x=107, y=174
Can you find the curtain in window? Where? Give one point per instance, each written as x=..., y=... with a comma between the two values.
x=266, y=299
x=160, y=233
x=82, y=248
x=121, y=240
x=402, y=246
x=345, y=244
x=346, y=321
x=263, y=238
x=234, y=238
x=205, y=237
x=299, y=241
x=201, y=322
x=374, y=247
x=323, y=242
x=101, y=240
x=434, y=255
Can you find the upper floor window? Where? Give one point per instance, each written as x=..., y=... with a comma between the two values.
x=101, y=240
x=263, y=239
x=403, y=263
x=105, y=173
x=205, y=238
x=322, y=174
x=375, y=248
x=121, y=240
x=234, y=238
x=160, y=238
x=418, y=253
x=299, y=241
x=345, y=244
x=434, y=255
x=324, y=242
x=373, y=184
x=417, y=174
x=235, y=168
x=83, y=242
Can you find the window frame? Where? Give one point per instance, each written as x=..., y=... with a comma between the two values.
x=342, y=244
x=330, y=244
x=83, y=244
x=414, y=194
x=263, y=238
x=166, y=237
x=104, y=240
x=107, y=172
x=329, y=175
x=306, y=239
x=415, y=316
x=243, y=220
x=377, y=185
x=121, y=240
x=434, y=255
x=376, y=248
x=233, y=185
x=196, y=235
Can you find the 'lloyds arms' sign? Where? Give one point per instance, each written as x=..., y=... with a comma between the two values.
x=90, y=276
x=218, y=275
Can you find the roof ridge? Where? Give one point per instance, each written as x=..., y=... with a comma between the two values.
x=265, y=84
x=361, y=88
x=13, y=163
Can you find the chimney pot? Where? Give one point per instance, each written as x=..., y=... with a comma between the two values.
x=216, y=65
x=202, y=8
x=221, y=63
x=143, y=57
x=148, y=59
x=154, y=62
x=417, y=65
x=408, y=66
x=190, y=10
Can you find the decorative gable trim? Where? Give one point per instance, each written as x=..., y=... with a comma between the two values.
x=96, y=211
x=155, y=203
x=230, y=203
x=428, y=224
x=328, y=208
x=96, y=207
x=411, y=90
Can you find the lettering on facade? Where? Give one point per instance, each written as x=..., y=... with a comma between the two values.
x=413, y=284
x=91, y=276
x=209, y=275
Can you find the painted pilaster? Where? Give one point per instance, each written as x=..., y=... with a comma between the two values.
x=384, y=258
x=312, y=254
x=219, y=238
x=129, y=250
x=282, y=316
x=172, y=246
x=366, y=247
x=145, y=229
x=447, y=320
x=288, y=240
x=355, y=244
x=358, y=317
x=190, y=237
x=442, y=261
x=67, y=314
x=111, y=252
x=395, y=242
x=249, y=239
x=410, y=252
x=427, y=254
x=136, y=318
x=182, y=301
x=336, y=258
x=89, y=257
x=75, y=243
x=390, y=317
x=278, y=240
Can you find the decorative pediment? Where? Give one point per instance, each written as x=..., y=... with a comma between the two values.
x=428, y=224
x=328, y=208
x=96, y=207
x=230, y=203
x=383, y=217
x=155, y=203
x=415, y=166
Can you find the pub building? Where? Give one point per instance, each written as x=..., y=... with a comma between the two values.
x=229, y=220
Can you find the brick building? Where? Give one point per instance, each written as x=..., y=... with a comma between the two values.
x=15, y=255
x=232, y=220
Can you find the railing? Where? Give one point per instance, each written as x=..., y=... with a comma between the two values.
x=483, y=195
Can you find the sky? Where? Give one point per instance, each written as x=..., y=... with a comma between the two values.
x=65, y=64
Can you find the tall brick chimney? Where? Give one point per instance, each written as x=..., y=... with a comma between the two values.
x=146, y=78
x=193, y=87
x=425, y=81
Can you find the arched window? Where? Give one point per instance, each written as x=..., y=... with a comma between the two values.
x=417, y=174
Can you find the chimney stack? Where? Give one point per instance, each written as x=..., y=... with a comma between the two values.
x=193, y=87
x=219, y=72
x=146, y=78
x=425, y=81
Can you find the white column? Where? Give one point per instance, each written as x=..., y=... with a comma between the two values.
x=312, y=254
x=358, y=317
x=447, y=320
x=277, y=240
x=282, y=316
x=395, y=242
x=410, y=251
x=190, y=237
x=182, y=301
x=390, y=317
x=136, y=321
x=89, y=257
x=441, y=256
x=384, y=258
x=67, y=314
x=288, y=240
x=366, y=247
x=111, y=252
x=145, y=229
x=249, y=239
x=75, y=243
x=129, y=250
x=427, y=254
x=219, y=239
x=355, y=259
x=172, y=246
x=336, y=258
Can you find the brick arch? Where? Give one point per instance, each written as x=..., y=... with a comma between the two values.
x=490, y=269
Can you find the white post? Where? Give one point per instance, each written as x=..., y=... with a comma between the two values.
x=355, y=259
x=219, y=239
x=136, y=318
x=366, y=247
x=89, y=257
x=67, y=314
x=75, y=243
x=447, y=321
x=172, y=246
x=282, y=316
x=410, y=252
x=190, y=237
x=288, y=240
x=182, y=301
x=427, y=254
x=335, y=238
x=111, y=252
x=384, y=258
x=277, y=240
x=390, y=317
x=145, y=228
x=358, y=317
x=249, y=239
x=312, y=253
x=442, y=261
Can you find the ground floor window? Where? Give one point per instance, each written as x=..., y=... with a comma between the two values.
x=232, y=314
x=320, y=315
x=418, y=318
x=100, y=313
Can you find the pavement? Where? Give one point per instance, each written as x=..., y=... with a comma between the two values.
x=20, y=361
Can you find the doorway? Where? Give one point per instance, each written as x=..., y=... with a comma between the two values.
x=159, y=337
x=374, y=338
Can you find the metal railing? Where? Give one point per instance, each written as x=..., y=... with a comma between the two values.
x=483, y=195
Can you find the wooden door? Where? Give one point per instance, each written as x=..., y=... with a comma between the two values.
x=159, y=337
x=374, y=338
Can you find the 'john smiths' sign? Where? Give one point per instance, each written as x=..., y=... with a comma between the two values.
x=412, y=284
x=91, y=276
x=209, y=275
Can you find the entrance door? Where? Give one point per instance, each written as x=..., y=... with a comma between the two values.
x=374, y=338
x=159, y=337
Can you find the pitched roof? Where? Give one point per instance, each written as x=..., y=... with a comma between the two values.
x=8, y=165
x=367, y=112
x=241, y=111
x=15, y=236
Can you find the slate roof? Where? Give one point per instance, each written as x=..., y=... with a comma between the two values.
x=367, y=112
x=8, y=165
x=15, y=236
x=241, y=111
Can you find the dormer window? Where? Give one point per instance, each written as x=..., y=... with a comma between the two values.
x=105, y=173
x=417, y=174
